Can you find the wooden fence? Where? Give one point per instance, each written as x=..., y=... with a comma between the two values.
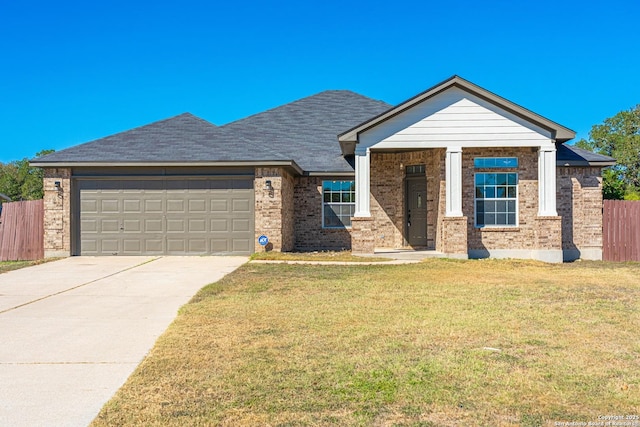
x=621, y=230
x=22, y=231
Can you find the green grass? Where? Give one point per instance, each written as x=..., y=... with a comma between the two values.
x=440, y=343
x=15, y=265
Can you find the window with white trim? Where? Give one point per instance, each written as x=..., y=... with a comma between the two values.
x=496, y=199
x=338, y=203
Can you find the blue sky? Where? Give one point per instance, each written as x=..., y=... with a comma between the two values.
x=71, y=72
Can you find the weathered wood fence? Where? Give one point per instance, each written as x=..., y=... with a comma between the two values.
x=22, y=231
x=621, y=230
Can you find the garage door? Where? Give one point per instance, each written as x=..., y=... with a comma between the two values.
x=166, y=216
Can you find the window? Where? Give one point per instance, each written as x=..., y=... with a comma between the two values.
x=496, y=199
x=338, y=203
x=495, y=162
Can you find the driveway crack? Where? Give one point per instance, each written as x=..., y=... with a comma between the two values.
x=78, y=286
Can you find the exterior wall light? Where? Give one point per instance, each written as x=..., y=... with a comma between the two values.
x=58, y=186
x=268, y=186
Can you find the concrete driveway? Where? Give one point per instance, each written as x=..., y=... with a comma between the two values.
x=72, y=331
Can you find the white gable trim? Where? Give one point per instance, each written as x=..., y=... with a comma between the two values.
x=457, y=118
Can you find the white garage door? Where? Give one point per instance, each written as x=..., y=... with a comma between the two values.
x=166, y=216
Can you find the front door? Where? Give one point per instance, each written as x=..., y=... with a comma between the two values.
x=416, y=214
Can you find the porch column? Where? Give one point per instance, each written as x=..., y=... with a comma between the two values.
x=363, y=175
x=453, y=170
x=547, y=181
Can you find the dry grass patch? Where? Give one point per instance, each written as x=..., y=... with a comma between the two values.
x=340, y=256
x=441, y=343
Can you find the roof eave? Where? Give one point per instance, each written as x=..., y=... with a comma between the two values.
x=253, y=163
x=584, y=163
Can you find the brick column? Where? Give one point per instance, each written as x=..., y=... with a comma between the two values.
x=362, y=239
x=454, y=237
x=274, y=212
x=548, y=235
x=57, y=213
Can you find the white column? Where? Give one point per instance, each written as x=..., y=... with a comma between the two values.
x=453, y=170
x=547, y=181
x=363, y=175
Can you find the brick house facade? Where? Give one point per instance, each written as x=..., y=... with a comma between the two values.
x=456, y=169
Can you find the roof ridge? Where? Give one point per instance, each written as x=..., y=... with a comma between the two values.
x=305, y=98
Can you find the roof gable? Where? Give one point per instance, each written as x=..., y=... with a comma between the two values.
x=515, y=112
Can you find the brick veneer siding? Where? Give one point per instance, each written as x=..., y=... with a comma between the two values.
x=580, y=206
x=523, y=237
x=57, y=213
x=388, y=194
x=309, y=234
x=274, y=210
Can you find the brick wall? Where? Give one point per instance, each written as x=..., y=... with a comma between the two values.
x=522, y=237
x=57, y=213
x=580, y=206
x=309, y=234
x=274, y=210
x=388, y=194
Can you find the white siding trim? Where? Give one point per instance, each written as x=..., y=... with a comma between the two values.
x=547, y=182
x=454, y=118
x=453, y=166
x=363, y=183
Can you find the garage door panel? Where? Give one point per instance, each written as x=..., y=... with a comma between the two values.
x=219, y=225
x=132, y=206
x=153, y=206
x=197, y=206
x=132, y=226
x=241, y=225
x=153, y=225
x=197, y=225
x=241, y=205
x=220, y=245
x=166, y=216
x=175, y=225
x=89, y=246
x=176, y=245
x=175, y=206
x=154, y=246
x=89, y=206
x=219, y=205
x=109, y=246
x=109, y=225
x=241, y=245
x=89, y=225
x=132, y=246
x=110, y=206
x=197, y=246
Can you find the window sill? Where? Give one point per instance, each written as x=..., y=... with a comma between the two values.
x=498, y=229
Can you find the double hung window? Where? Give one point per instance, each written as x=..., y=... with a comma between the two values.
x=496, y=193
x=338, y=203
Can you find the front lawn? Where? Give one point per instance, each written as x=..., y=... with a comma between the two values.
x=440, y=343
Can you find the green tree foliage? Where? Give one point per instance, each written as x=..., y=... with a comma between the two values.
x=20, y=181
x=618, y=137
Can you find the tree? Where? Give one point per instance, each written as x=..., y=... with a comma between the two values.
x=618, y=137
x=20, y=181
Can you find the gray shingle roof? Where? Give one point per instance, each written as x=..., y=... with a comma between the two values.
x=304, y=131
x=307, y=130
x=569, y=155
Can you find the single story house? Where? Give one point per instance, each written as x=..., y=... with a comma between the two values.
x=455, y=169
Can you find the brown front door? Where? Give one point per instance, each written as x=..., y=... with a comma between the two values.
x=416, y=215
